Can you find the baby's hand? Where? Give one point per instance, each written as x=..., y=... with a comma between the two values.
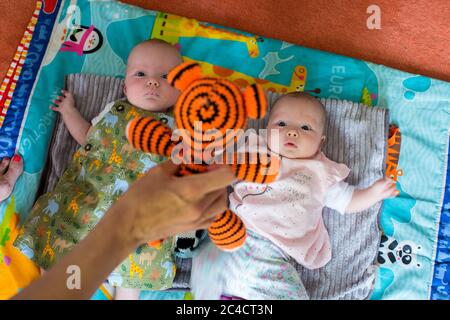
x=365, y=198
x=64, y=102
x=384, y=188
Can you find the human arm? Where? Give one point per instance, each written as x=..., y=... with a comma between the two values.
x=365, y=198
x=156, y=206
x=74, y=121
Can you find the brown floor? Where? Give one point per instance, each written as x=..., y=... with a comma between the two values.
x=414, y=34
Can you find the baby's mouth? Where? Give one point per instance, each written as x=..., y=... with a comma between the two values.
x=151, y=94
x=290, y=144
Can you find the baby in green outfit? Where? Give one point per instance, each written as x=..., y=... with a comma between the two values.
x=102, y=169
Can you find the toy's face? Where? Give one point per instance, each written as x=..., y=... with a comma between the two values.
x=209, y=109
x=210, y=112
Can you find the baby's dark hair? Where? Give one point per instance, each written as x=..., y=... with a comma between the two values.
x=308, y=97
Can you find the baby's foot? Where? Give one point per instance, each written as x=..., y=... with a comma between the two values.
x=10, y=170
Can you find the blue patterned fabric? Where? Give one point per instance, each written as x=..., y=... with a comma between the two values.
x=96, y=37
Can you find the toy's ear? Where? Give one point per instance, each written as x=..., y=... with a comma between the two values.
x=255, y=101
x=183, y=75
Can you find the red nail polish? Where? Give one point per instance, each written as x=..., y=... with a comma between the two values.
x=16, y=158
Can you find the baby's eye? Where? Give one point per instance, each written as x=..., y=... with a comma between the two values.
x=164, y=76
x=281, y=124
x=306, y=127
x=139, y=74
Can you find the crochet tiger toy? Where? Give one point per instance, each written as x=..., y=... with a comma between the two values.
x=218, y=105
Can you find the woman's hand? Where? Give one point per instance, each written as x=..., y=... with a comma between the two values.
x=160, y=204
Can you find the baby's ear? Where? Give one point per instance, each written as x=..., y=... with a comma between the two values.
x=322, y=142
x=255, y=102
x=183, y=75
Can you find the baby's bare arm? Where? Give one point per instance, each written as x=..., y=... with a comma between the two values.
x=365, y=198
x=75, y=123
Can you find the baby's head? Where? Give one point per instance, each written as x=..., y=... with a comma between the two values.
x=296, y=126
x=146, y=84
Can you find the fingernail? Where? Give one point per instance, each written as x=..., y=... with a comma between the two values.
x=16, y=158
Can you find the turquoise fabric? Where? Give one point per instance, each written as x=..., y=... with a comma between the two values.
x=419, y=105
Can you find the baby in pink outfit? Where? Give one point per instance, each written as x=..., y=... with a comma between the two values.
x=284, y=218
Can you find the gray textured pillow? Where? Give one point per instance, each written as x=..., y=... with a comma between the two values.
x=356, y=136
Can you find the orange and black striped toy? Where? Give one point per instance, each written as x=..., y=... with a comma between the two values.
x=393, y=153
x=207, y=110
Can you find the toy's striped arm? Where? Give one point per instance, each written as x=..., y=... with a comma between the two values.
x=150, y=135
x=256, y=167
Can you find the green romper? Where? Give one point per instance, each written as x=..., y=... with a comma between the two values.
x=100, y=171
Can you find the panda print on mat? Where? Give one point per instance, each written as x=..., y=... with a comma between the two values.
x=393, y=252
